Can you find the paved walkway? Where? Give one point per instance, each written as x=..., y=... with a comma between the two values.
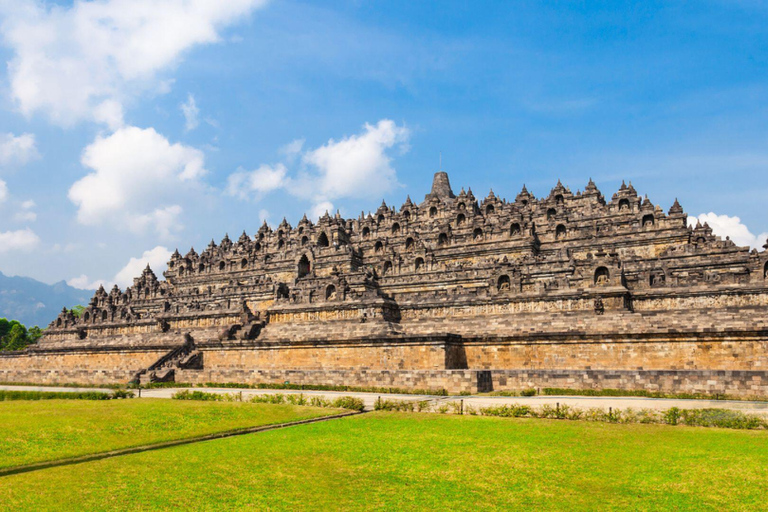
x=477, y=401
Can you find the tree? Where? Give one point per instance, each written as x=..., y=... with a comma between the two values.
x=78, y=310
x=34, y=334
x=17, y=338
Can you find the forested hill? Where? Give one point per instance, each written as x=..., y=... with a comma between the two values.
x=32, y=302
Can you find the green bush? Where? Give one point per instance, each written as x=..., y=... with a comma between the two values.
x=186, y=394
x=322, y=387
x=640, y=392
x=528, y=392
x=63, y=395
x=721, y=418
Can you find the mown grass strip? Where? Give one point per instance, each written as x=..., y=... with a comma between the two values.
x=166, y=444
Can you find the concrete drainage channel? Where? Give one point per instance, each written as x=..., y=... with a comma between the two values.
x=167, y=444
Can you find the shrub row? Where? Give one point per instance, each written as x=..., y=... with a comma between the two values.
x=639, y=392
x=722, y=418
x=344, y=402
x=65, y=385
x=63, y=395
x=321, y=387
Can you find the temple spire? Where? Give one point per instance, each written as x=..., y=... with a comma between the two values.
x=441, y=186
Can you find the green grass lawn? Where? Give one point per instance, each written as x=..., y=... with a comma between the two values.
x=400, y=461
x=34, y=431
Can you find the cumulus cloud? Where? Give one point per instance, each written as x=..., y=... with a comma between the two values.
x=191, y=113
x=135, y=171
x=17, y=150
x=26, y=213
x=84, y=283
x=292, y=149
x=265, y=179
x=724, y=225
x=3, y=191
x=319, y=209
x=358, y=166
x=69, y=60
x=156, y=258
x=20, y=240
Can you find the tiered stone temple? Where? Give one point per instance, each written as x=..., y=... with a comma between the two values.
x=569, y=290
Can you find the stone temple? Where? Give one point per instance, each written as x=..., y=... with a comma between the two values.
x=567, y=290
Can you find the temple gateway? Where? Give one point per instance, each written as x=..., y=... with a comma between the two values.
x=456, y=293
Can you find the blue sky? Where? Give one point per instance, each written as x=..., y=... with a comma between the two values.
x=293, y=107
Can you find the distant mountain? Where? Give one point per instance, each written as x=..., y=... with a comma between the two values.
x=34, y=303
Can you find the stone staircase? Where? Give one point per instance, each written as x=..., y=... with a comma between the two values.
x=164, y=369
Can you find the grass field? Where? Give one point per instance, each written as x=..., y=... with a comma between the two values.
x=34, y=431
x=423, y=461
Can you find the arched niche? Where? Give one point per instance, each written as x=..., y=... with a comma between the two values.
x=602, y=276
x=624, y=205
x=418, y=264
x=503, y=283
x=648, y=221
x=322, y=240
x=560, y=231
x=442, y=239
x=514, y=229
x=304, y=267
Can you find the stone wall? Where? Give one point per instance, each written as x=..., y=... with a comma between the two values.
x=454, y=381
x=744, y=384
x=80, y=367
x=415, y=354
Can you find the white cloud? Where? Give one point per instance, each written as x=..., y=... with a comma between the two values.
x=69, y=60
x=157, y=259
x=260, y=181
x=263, y=215
x=135, y=171
x=17, y=150
x=20, y=240
x=26, y=214
x=164, y=220
x=356, y=166
x=724, y=225
x=84, y=283
x=110, y=113
x=292, y=149
x=319, y=209
x=3, y=191
x=191, y=113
